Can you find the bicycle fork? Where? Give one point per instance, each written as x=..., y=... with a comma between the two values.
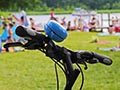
x=71, y=73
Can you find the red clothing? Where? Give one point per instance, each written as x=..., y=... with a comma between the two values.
x=117, y=29
x=52, y=13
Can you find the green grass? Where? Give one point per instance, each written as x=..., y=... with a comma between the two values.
x=108, y=11
x=3, y=13
x=48, y=12
x=32, y=70
x=6, y=13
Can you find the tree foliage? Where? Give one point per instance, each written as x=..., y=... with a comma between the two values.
x=39, y=5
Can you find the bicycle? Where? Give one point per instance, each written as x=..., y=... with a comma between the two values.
x=61, y=56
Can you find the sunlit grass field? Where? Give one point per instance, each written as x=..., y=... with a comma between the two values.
x=32, y=70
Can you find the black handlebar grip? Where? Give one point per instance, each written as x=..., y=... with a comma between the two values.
x=29, y=34
x=103, y=59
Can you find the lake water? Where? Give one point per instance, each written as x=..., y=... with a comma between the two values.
x=45, y=18
x=103, y=18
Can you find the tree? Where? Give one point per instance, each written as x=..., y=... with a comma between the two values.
x=62, y=4
x=116, y=5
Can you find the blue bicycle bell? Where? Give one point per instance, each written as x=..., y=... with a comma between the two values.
x=55, y=31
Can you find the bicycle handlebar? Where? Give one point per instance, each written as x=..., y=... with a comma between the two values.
x=29, y=34
x=39, y=41
x=103, y=59
x=92, y=57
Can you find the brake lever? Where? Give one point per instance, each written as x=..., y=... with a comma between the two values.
x=85, y=65
x=83, y=61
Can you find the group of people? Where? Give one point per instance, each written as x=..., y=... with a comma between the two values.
x=9, y=25
x=77, y=24
x=82, y=25
x=113, y=28
x=115, y=25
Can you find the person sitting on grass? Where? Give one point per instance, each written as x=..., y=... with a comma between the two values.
x=97, y=41
x=116, y=48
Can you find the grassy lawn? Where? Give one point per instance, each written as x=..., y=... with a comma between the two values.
x=32, y=70
x=3, y=13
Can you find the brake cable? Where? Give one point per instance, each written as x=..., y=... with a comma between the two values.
x=82, y=82
x=57, y=76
